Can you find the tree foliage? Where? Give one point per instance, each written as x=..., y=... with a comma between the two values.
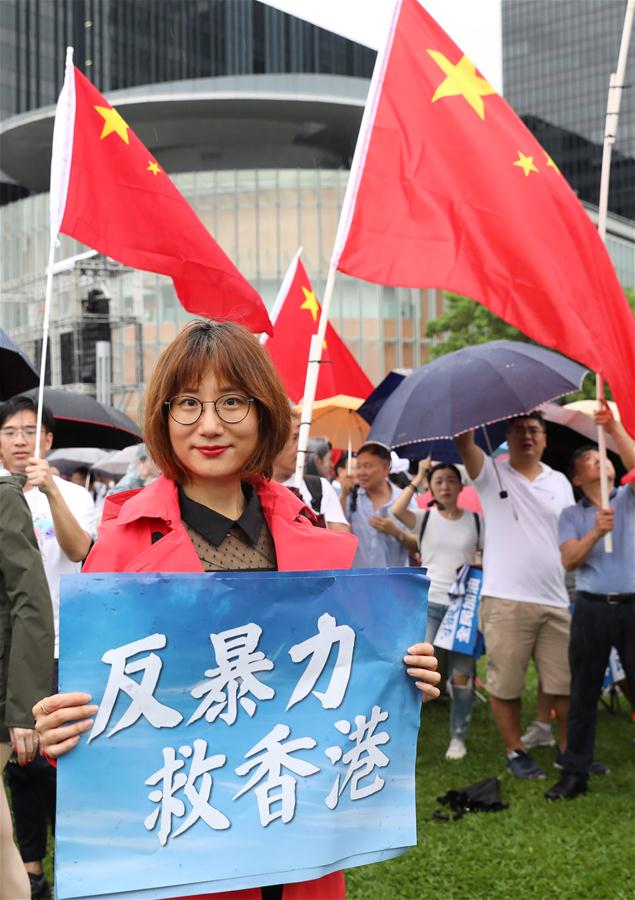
x=465, y=323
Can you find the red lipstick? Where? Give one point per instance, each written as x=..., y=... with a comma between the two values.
x=211, y=452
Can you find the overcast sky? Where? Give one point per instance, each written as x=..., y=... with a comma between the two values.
x=475, y=25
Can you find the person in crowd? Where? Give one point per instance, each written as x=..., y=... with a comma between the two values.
x=319, y=459
x=316, y=492
x=63, y=516
x=604, y=609
x=81, y=475
x=399, y=469
x=383, y=540
x=341, y=474
x=141, y=472
x=26, y=660
x=524, y=603
x=216, y=417
x=448, y=537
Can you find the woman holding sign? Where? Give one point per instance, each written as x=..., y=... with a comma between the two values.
x=447, y=537
x=216, y=416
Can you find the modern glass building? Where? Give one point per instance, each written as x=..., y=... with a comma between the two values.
x=255, y=115
x=558, y=56
x=125, y=43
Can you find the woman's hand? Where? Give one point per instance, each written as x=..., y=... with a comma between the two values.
x=422, y=471
x=422, y=665
x=24, y=742
x=60, y=720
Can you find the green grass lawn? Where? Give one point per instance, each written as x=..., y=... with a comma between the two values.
x=570, y=850
x=577, y=849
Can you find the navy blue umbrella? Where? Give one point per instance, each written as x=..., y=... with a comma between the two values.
x=374, y=402
x=475, y=386
x=17, y=374
x=442, y=449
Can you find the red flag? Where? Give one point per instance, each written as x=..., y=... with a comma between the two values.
x=450, y=190
x=295, y=320
x=109, y=192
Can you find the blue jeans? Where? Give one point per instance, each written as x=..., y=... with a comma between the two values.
x=461, y=696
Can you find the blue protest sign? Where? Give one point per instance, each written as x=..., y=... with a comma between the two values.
x=458, y=630
x=239, y=713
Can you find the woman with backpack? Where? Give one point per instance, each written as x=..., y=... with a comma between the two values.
x=447, y=537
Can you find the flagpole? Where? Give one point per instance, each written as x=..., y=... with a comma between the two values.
x=283, y=290
x=61, y=153
x=352, y=185
x=616, y=86
x=312, y=374
x=45, y=341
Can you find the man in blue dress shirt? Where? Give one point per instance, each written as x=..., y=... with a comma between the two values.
x=383, y=540
x=604, y=613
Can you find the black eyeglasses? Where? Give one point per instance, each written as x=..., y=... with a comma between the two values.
x=230, y=408
x=520, y=431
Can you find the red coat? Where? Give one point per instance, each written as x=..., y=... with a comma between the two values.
x=125, y=545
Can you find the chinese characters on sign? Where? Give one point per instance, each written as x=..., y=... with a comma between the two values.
x=238, y=660
x=238, y=712
x=459, y=629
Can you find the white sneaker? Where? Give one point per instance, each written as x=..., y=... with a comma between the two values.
x=456, y=750
x=537, y=735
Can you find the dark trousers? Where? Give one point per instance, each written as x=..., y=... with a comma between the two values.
x=33, y=791
x=595, y=628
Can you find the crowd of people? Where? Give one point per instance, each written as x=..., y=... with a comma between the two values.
x=220, y=431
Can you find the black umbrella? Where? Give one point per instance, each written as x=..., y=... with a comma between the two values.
x=567, y=431
x=471, y=387
x=80, y=421
x=482, y=796
x=16, y=372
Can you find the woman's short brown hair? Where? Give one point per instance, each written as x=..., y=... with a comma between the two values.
x=236, y=358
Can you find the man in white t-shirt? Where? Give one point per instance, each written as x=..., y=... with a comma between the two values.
x=327, y=500
x=524, y=605
x=64, y=522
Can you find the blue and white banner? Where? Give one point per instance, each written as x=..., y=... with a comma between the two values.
x=458, y=630
x=614, y=670
x=253, y=728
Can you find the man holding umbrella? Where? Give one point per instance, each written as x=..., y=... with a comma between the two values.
x=604, y=613
x=524, y=606
x=64, y=521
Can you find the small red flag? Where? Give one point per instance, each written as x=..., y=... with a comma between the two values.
x=450, y=190
x=295, y=319
x=109, y=192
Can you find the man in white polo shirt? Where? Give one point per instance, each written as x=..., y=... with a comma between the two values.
x=524, y=605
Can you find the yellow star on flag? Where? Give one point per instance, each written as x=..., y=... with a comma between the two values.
x=153, y=167
x=310, y=303
x=461, y=81
x=526, y=163
x=112, y=123
x=551, y=163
